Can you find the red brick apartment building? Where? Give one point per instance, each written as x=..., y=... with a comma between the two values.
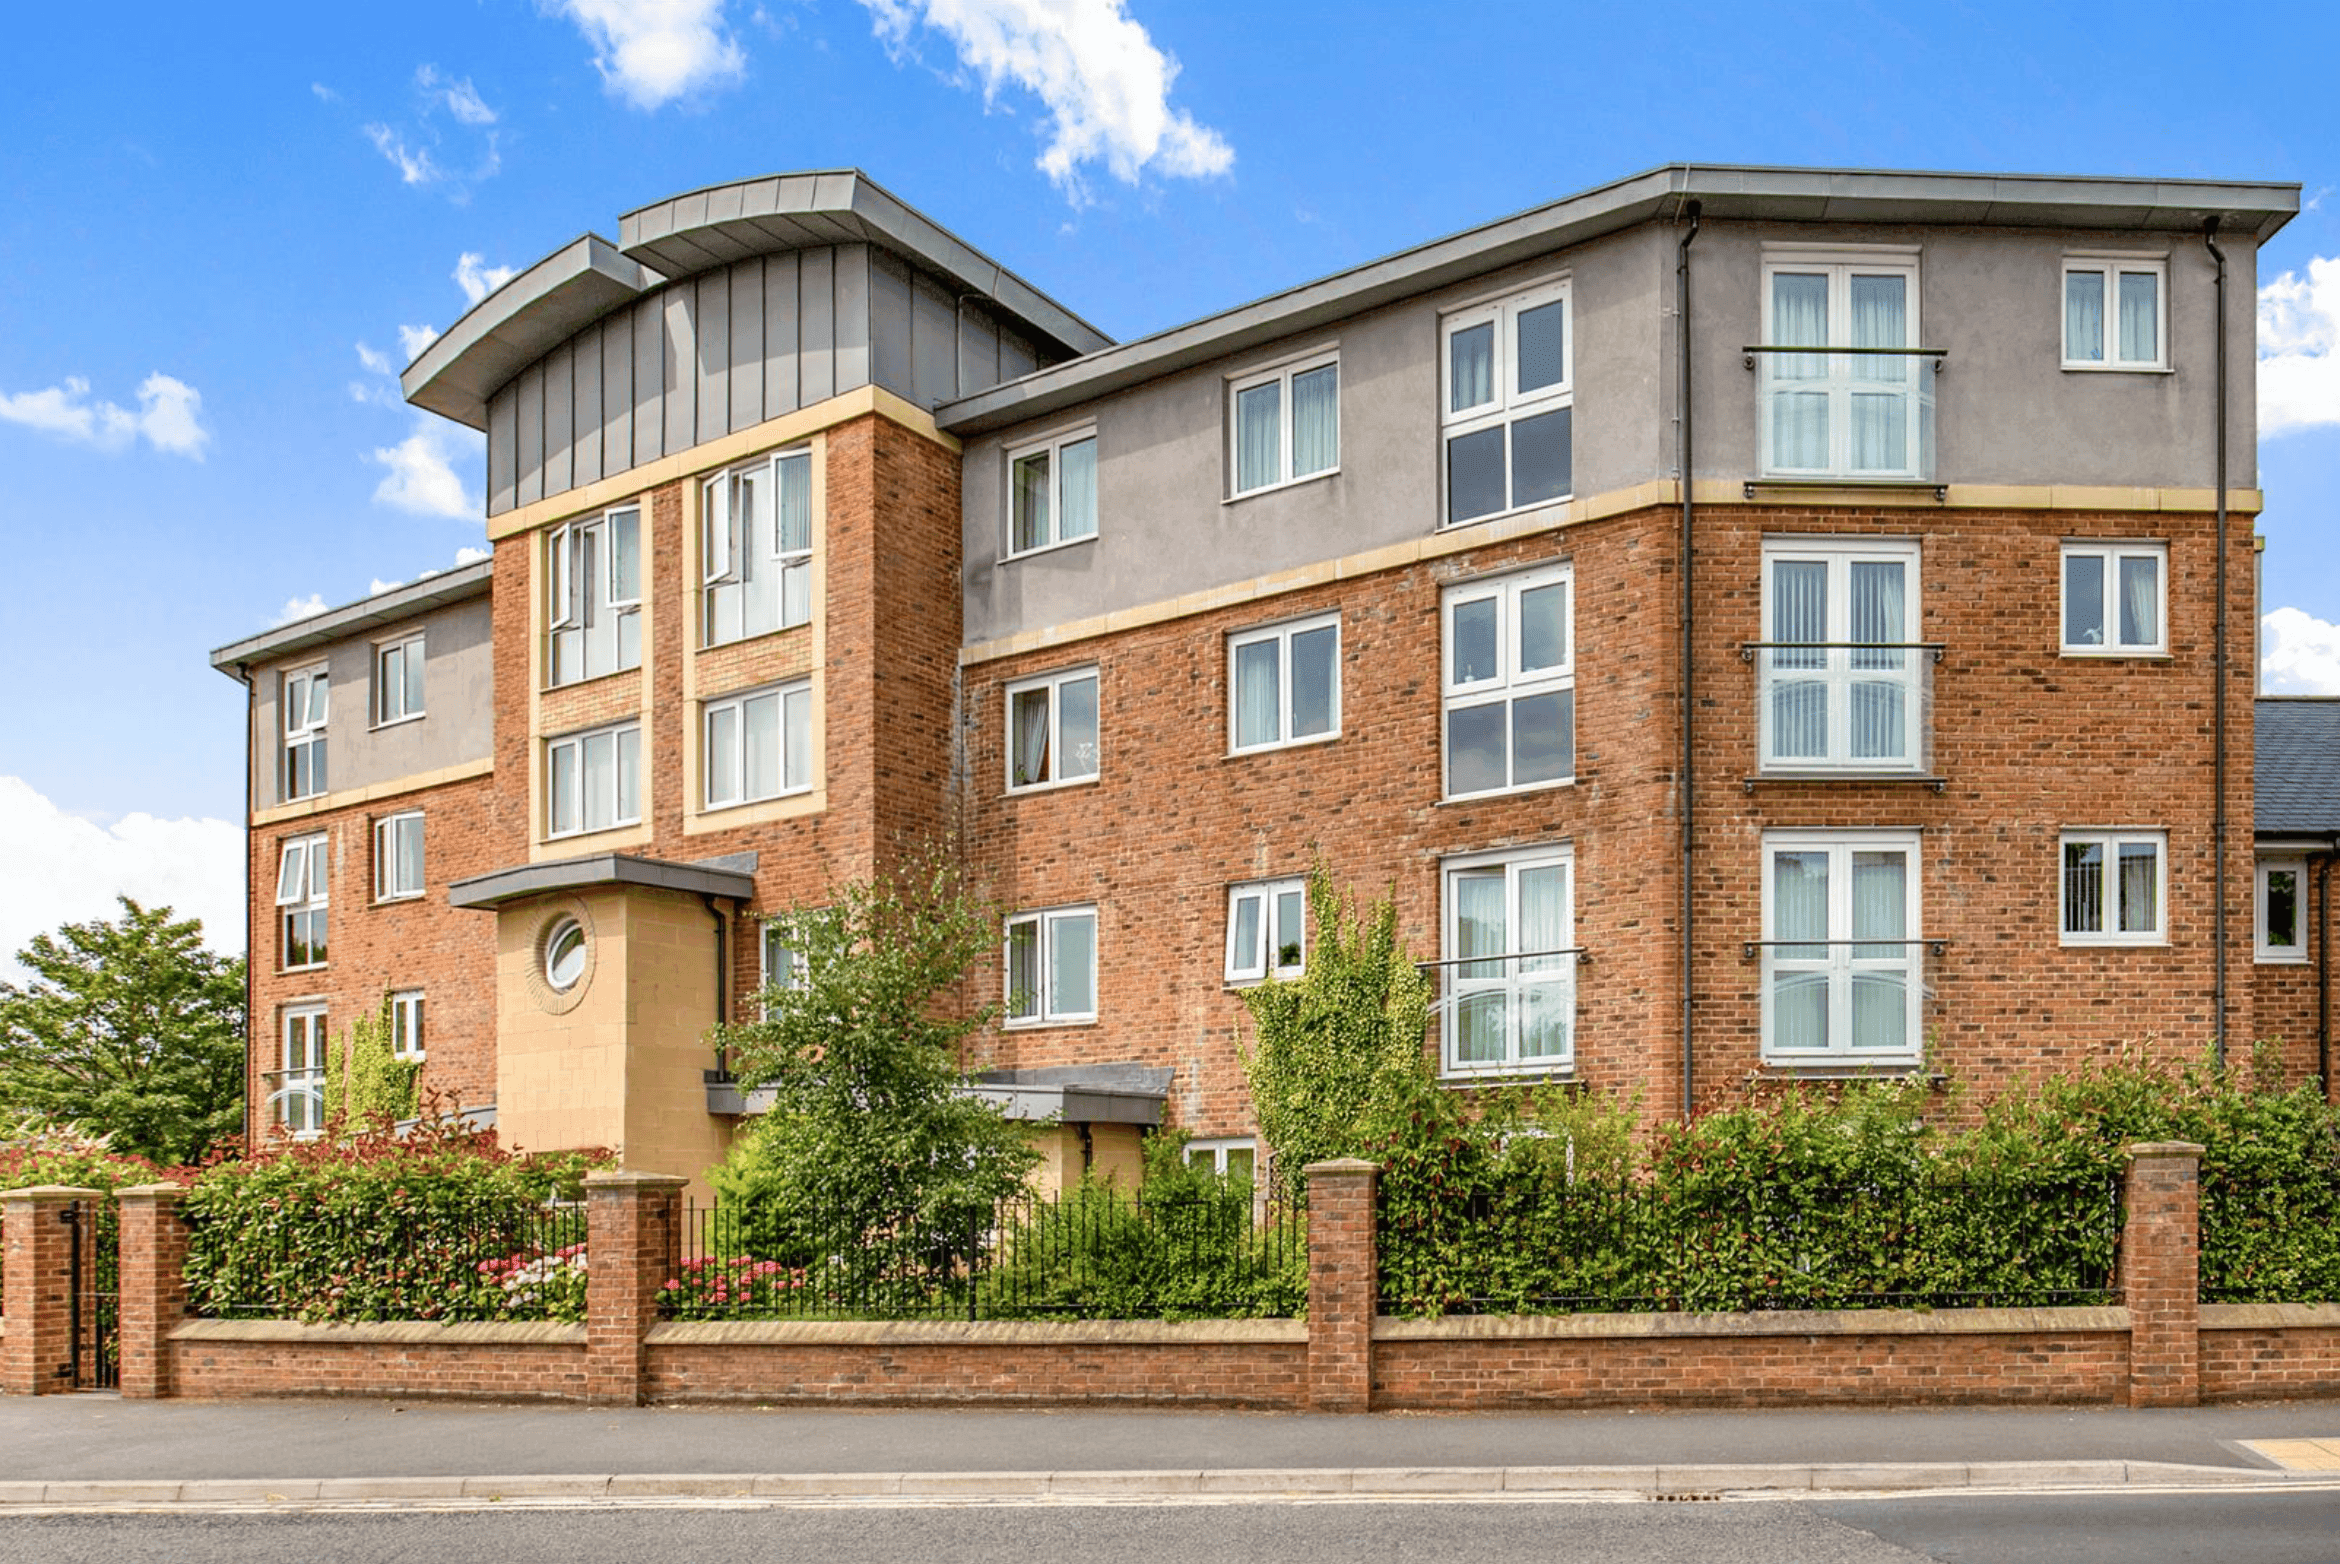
x=1762, y=623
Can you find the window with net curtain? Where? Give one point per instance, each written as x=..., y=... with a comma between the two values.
x=1509, y=406
x=1840, y=414
x=1052, y=730
x=1507, y=985
x=2113, y=887
x=1284, y=683
x=1052, y=493
x=2113, y=600
x=1840, y=680
x=2113, y=313
x=1842, y=952
x=1285, y=424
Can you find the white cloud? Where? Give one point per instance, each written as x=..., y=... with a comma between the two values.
x=324, y=93
x=64, y=869
x=476, y=279
x=375, y=359
x=296, y=608
x=472, y=556
x=421, y=476
x=459, y=98
x=414, y=167
x=169, y=415
x=2299, y=654
x=2299, y=349
x=651, y=52
x=413, y=339
x=1105, y=85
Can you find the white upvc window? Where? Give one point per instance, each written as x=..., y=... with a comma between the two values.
x=593, y=596
x=1284, y=424
x=398, y=680
x=1843, y=948
x=1052, y=966
x=1235, y=1156
x=1052, y=735
x=297, y=1100
x=398, y=856
x=2116, y=312
x=1841, y=684
x=306, y=698
x=1863, y=406
x=1052, y=493
x=781, y=967
x=1284, y=684
x=2281, y=897
x=304, y=872
x=1507, y=984
x=406, y=1023
x=758, y=745
x=2115, y=599
x=755, y=548
x=1510, y=682
x=593, y=780
x=1267, y=930
x=1508, y=405
x=2115, y=887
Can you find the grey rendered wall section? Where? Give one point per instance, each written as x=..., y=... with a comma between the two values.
x=729, y=348
x=1164, y=528
x=458, y=724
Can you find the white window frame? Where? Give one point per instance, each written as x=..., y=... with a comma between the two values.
x=1508, y=686
x=304, y=885
x=2111, y=267
x=388, y=885
x=1058, y=776
x=729, y=792
x=1845, y=960
x=2110, y=553
x=1839, y=666
x=2112, y=839
x=2267, y=953
x=1458, y=984
x=391, y=689
x=723, y=547
x=1260, y=957
x=1283, y=635
x=1052, y=448
x=575, y=743
x=1508, y=405
x=575, y=603
x=1045, y=925
x=406, y=1024
x=1841, y=264
x=777, y=964
x=306, y=735
x=1215, y=1151
x=1284, y=373
x=303, y=1082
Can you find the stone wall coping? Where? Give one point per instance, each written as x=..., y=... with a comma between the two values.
x=622, y=1178
x=404, y=1333
x=2164, y=1148
x=157, y=1192
x=1341, y=1165
x=50, y=1192
x=978, y=1333
x=1776, y=1322
x=2268, y=1316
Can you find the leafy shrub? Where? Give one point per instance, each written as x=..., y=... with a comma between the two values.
x=735, y=1287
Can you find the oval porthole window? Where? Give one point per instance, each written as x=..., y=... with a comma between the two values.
x=564, y=955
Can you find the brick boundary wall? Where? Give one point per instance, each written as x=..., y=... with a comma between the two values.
x=2159, y=1347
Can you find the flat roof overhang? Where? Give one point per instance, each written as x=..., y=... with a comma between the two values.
x=503, y=886
x=367, y=613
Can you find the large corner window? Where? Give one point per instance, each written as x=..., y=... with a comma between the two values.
x=593, y=596
x=398, y=680
x=2114, y=599
x=303, y=874
x=1843, y=955
x=593, y=781
x=2281, y=897
x=306, y=698
x=1510, y=686
x=755, y=548
x=2114, y=312
x=1052, y=730
x=296, y=1100
x=1508, y=411
x=1285, y=424
x=398, y=856
x=758, y=745
x=1841, y=682
x=1052, y=966
x=2114, y=887
x=1284, y=684
x=1507, y=984
x=1863, y=406
x=1052, y=493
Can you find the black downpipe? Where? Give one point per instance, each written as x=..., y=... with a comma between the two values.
x=2218, y=664
x=1689, y=643
x=2324, y=973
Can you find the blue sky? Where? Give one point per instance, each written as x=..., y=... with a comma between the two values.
x=227, y=227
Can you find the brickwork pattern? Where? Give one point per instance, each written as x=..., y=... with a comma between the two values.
x=36, y=1353
x=2161, y=1272
x=258, y=1370
x=1259, y=1376
x=2264, y=1363
x=153, y=1281
x=634, y=1238
x=1344, y=1284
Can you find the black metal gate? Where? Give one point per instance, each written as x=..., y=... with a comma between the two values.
x=95, y=1279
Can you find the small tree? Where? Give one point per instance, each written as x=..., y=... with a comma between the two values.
x=130, y=1029
x=870, y=1142
x=1342, y=1045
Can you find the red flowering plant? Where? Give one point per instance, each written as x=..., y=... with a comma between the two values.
x=738, y=1287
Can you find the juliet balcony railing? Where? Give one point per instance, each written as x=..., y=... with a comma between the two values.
x=1509, y=1014
x=1844, y=708
x=296, y=1100
x=1862, y=415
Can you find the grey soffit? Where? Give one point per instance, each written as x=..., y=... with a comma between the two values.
x=367, y=613
x=2295, y=777
x=599, y=869
x=519, y=323
x=1769, y=194
x=1077, y=1094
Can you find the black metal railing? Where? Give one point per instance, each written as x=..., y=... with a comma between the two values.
x=515, y=1262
